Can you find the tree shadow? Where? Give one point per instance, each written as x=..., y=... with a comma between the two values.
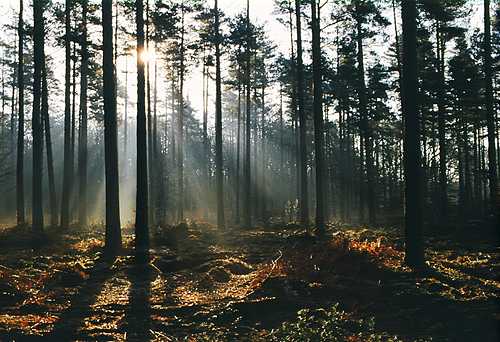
x=138, y=313
x=72, y=318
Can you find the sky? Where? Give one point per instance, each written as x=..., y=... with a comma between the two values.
x=261, y=12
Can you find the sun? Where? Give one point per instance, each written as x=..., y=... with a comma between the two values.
x=147, y=55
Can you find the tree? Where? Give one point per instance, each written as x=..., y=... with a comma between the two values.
x=318, y=117
x=141, y=218
x=304, y=197
x=82, y=132
x=414, y=256
x=366, y=12
x=20, y=128
x=68, y=170
x=113, y=232
x=37, y=128
x=247, y=221
x=490, y=111
x=218, y=123
x=444, y=13
x=48, y=143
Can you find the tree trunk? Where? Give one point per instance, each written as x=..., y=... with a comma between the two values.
x=113, y=231
x=304, y=197
x=218, y=125
x=414, y=256
x=365, y=127
x=38, y=39
x=318, y=118
x=151, y=176
x=67, y=171
x=48, y=143
x=490, y=111
x=238, y=152
x=443, y=179
x=180, y=122
x=21, y=219
x=82, y=132
x=141, y=218
x=246, y=199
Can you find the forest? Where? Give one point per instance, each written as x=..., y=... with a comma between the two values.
x=249, y=170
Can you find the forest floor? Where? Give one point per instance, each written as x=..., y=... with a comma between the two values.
x=261, y=284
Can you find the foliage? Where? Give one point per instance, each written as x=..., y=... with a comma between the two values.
x=331, y=324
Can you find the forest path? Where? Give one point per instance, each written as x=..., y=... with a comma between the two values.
x=201, y=284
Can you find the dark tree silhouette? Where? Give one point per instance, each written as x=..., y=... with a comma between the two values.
x=141, y=218
x=20, y=128
x=318, y=118
x=304, y=197
x=67, y=169
x=83, y=127
x=247, y=220
x=48, y=143
x=490, y=111
x=413, y=204
x=218, y=123
x=113, y=231
x=38, y=41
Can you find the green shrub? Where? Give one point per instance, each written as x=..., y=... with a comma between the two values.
x=327, y=325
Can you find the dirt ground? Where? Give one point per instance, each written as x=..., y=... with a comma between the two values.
x=199, y=284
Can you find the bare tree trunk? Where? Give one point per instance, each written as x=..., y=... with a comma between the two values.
x=413, y=176
x=151, y=178
x=141, y=218
x=48, y=144
x=67, y=171
x=490, y=112
x=365, y=127
x=218, y=125
x=113, y=231
x=38, y=37
x=21, y=219
x=443, y=179
x=247, y=220
x=82, y=132
x=180, y=142
x=304, y=197
x=318, y=118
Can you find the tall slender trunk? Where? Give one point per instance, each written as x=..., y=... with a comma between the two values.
x=293, y=101
x=48, y=144
x=141, y=218
x=125, y=125
x=155, y=165
x=238, y=150
x=263, y=157
x=67, y=171
x=82, y=132
x=180, y=142
x=318, y=118
x=21, y=219
x=218, y=124
x=247, y=221
x=443, y=179
x=414, y=256
x=73, y=135
x=365, y=126
x=151, y=176
x=490, y=112
x=113, y=239
x=304, y=197
x=37, y=128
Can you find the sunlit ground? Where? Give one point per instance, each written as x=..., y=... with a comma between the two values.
x=201, y=284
